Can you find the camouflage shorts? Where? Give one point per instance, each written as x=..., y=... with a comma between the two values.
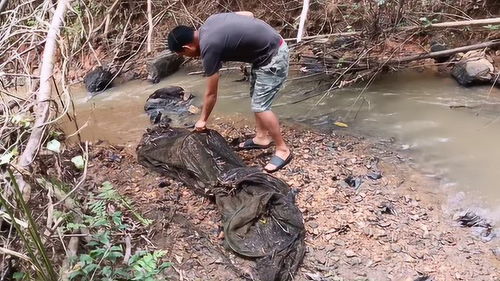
x=267, y=80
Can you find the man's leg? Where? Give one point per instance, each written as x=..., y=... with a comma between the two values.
x=270, y=122
x=262, y=136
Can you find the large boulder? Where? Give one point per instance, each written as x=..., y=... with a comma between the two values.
x=163, y=65
x=473, y=69
x=98, y=80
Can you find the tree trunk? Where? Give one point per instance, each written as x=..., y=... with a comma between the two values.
x=42, y=105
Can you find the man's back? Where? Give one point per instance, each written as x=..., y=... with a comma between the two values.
x=233, y=37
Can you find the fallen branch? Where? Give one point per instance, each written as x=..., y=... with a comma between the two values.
x=15, y=254
x=450, y=24
x=465, y=23
x=446, y=52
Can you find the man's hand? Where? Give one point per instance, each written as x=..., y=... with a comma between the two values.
x=208, y=102
x=200, y=126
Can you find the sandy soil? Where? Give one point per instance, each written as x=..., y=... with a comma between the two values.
x=391, y=228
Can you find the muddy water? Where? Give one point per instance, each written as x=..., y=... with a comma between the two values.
x=459, y=146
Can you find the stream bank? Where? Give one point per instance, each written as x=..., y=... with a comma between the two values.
x=362, y=228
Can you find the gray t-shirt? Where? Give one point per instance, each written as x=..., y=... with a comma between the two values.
x=233, y=37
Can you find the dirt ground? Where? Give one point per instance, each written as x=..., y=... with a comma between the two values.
x=359, y=226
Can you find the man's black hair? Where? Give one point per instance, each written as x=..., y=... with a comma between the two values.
x=180, y=36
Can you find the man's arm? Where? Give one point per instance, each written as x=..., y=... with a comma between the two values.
x=208, y=101
x=245, y=13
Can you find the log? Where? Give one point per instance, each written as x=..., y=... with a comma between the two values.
x=260, y=219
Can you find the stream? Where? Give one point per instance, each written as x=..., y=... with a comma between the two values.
x=450, y=132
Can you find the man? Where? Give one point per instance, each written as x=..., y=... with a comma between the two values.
x=241, y=37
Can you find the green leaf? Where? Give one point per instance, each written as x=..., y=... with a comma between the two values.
x=22, y=119
x=492, y=27
x=97, y=253
x=121, y=272
x=18, y=276
x=74, y=226
x=79, y=162
x=7, y=157
x=86, y=259
x=74, y=274
x=54, y=145
x=89, y=268
x=165, y=265
x=107, y=271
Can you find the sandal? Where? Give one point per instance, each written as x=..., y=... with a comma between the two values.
x=249, y=144
x=279, y=162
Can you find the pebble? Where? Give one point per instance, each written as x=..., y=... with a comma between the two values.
x=340, y=243
x=395, y=248
x=349, y=253
x=313, y=224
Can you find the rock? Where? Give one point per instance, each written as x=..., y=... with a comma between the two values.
x=396, y=248
x=349, y=253
x=163, y=65
x=437, y=47
x=473, y=71
x=98, y=80
x=496, y=252
x=353, y=181
x=471, y=219
x=374, y=175
x=312, y=225
x=388, y=208
x=166, y=103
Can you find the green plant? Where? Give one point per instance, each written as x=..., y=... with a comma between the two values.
x=492, y=27
x=31, y=237
x=103, y=259
x=427, y=22
x=145, y=266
